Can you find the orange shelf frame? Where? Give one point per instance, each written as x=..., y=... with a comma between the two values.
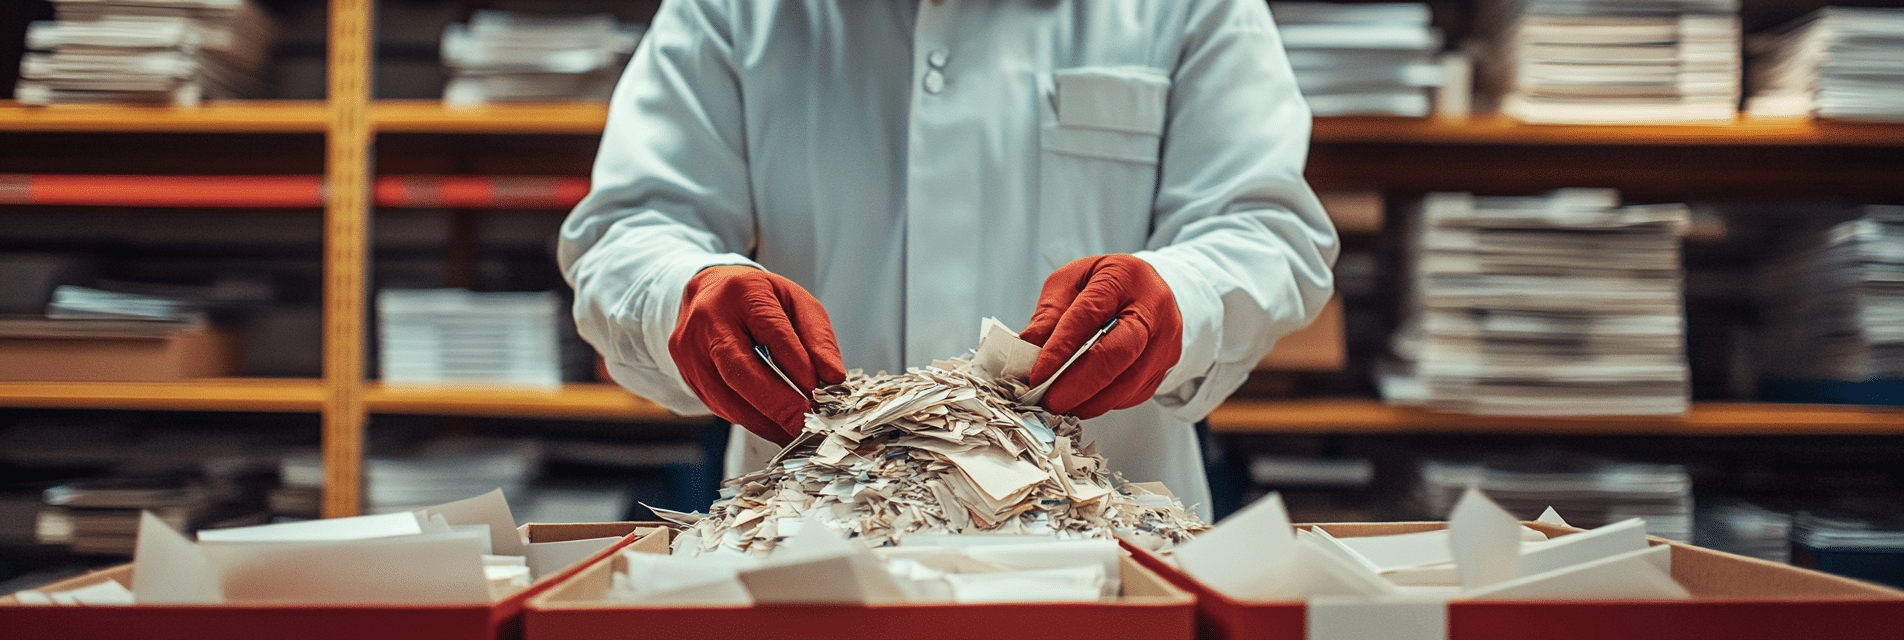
x=231, y=116
x=571, y=401
x=1704, y=419
x=289, y=395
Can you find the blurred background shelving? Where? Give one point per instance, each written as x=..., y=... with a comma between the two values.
x=358, y=111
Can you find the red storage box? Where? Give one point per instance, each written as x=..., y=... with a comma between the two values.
x=1734, y=598
x=1149, y=609
x=293, y=622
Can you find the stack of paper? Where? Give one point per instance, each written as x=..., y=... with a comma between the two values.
x=1375, y=58
x=1565, y=304
x=1835, y=303
x=952, y=448
x=467, y=551
x=1592, y=494
x=1840, y=62
x=1612, y=61
x=166, y=51
x=1483, y=554
x=500, y=56
x=1736, y=526
x=819, y=565
x=439, y=470
x=435, y=336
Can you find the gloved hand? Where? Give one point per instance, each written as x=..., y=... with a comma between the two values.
x=1125, y=366
x=725, y=311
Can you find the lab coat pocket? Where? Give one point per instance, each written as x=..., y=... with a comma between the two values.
x=1101, y=136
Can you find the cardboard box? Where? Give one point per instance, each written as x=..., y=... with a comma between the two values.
x=1734, y=598
x=297, y=622
x=1149, y=609
x=197, y=353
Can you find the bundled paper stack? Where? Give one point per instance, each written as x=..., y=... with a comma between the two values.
x=468, y=551
x=1483, y=554
x=944, y=449
x=1747, y=529
x=434, y=336
x=434, y=472
x=1593, y=494
x=1376, y=58
x=1564, y=304
x=166, y=51
x=1612, y=61
x=500, y=56
x=1835, y=303
x=1840, y=62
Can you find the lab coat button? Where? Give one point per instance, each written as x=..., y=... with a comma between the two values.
x=935, y=81
x=938, y=57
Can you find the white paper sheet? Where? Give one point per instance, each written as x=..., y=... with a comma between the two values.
x=1260, y=532
x=1068, y=584
x=1358, y=618
x=167, y=568
x=353, y=528
x=395, y=570
x=489, y=509
x=1485, y=541
x=1640, y=575
x=1625, y=536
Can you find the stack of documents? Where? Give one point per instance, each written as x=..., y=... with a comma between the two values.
x=439, y=470
x=1736, y=526
x=1612, y=61
x=951, y=448
x=1835, y=304
x=165, y=51
x=1349, y=59
x=1840, y=62
x=438, y=336
x=1564, y=304
x=500, y=56
x=1483, y=554
x=464, y=552
x=101, y=516
x=1592, y=495
x=820, y=565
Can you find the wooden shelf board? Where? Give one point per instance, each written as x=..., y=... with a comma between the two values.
x=208, y=394
x=1746, y=132
x=231, y=116
x=571, y=401
x=1705, y=419
x=429, y=116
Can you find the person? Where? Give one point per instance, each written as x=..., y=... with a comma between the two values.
x=859, y=183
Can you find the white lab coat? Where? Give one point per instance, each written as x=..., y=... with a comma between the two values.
x=920, y=165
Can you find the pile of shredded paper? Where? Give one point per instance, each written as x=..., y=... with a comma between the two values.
x=943, y=449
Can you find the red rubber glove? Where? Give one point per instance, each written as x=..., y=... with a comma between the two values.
x=725, y=311
x=1125, y=366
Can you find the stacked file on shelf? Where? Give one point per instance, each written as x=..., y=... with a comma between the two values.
x=418, y=476
x=1590, y=493
x=1564, y=304
x=1835, y=304
x=1736, y=526
x=1361, y=59
x=1612, y=61
x=500, y=56
x=1839, y=62
x=435, y=336
x=151, y=51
